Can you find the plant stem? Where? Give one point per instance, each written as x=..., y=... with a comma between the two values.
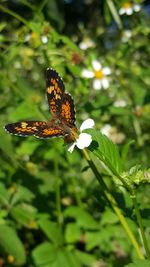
x=42, y=5
x=58, y=197
x=113, y=204
x=139, y=219
x=114, y=13
x=138, y=131
x=137, y=212
x=15, y=15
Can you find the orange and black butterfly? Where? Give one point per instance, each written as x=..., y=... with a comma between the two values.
x=61, y=106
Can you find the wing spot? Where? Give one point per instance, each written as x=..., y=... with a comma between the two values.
x=24, y=124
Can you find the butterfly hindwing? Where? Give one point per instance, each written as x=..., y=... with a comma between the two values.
x=50, y=131
x=67, y=110
x=25, y=128
x=55, y=90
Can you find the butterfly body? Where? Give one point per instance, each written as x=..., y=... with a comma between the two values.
x=61, y=106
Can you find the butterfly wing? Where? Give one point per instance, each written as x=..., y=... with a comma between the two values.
x=55, y=90
x=40, y=129
x=61, y=105
x=25, y=128
x=67, y=110
x=50, y=131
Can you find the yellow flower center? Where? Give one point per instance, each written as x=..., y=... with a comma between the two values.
x=99, y=74
x=127, y=5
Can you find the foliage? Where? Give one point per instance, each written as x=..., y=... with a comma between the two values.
x=53, y=211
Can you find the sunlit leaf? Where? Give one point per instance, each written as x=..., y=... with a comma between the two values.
x=106, y=151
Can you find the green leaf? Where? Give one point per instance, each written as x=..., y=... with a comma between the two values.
x=108, y=217
x=83, y=218
x=52, y=231
x=103, y=237
x=72, y=233
x=106, y=151
x=125, y=150
x=22, y=194
x=25, y=215
x=4, y=195
x=10, y=244
x=22, y=112
x=46, y=255
x=139, y=263
x=85, y=258
x=28, y=147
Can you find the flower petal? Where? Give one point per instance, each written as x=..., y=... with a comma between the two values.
x=71, y=147
x=136, y=7
x=97, y=84
x=120, y=103
x=121, y=11
x=84, y=140
x=129, y=11
x=87, y=73
x=106, y=129
x=89, y=123
x=105, y=83
x=86, y=43
x=106, y=70
x=96, y=65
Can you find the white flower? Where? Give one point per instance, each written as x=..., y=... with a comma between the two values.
x=86, y=43
x=98, y=74
x=113, y=133
x=44, y=39
x=126, y=36
x=106, y=129
x=84, y=139
x=120, y=103
x=129, y=8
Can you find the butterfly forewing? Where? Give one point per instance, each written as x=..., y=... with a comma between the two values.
x=55, y=90
x=67, y=110
x=25, y=128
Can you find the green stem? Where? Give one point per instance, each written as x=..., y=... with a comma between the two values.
x=139, y=219
x=77, y=194
x=138, y=131
x=113, y=204
x=58, y=196
x=28, y=4
x=15, y=15
x=114, y=13
x=133, y=197
x=41, y=6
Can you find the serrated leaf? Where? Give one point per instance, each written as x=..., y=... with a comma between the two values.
x=106, y=151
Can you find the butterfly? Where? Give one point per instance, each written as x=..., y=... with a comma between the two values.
x=61, y=105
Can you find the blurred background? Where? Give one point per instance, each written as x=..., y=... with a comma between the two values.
x=53, y=212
